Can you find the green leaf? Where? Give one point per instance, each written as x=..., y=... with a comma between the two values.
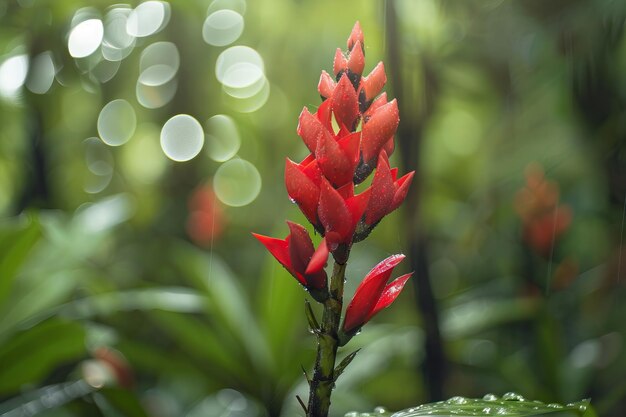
x=476, y=316
x=16, y=243
x=123, y=401
x=510, y=404
x=344, y=363
x=32, y=354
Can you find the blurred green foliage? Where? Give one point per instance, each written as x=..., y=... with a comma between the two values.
x=208, y=324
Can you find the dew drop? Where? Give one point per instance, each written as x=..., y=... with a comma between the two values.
x=512, y=396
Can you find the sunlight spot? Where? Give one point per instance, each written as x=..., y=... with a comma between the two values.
x=105, y=70
x=148, y=18
x=117, y=43
x=239, y=67
x=249, y=104
x=117, y=122
x=222, y=27
x=238, y=6
x=41, y=75
x=85, y=38
x=222, y=138
x=182, y=138
x=153, y=97
x=13, y=73
x=159, y=63
x=237, y=183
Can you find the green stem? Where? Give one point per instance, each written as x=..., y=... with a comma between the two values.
x=323, y=381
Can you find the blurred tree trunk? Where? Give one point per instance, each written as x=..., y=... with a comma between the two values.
x=409, y=140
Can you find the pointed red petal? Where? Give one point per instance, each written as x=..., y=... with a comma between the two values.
x=334, y=214
x=380, y=101
x=339, y=63
x=377, y=131
x=319, y=258
x=390, y=146
x=309, y=129
x=357, y=205
x=333, y=162
x=300, y=247
x=345, y=103
x=351, y=146
x=326, y=85
x=402, y=190
x=369, y=292
x=311, y=169
x=324, y=115
x=356, y=61
x=279, y=248
x=389, y=295
x=382, y=191
x=302, y=190
x=375, y=81
x=394, y=173
x=346, y=191
x=355, y=35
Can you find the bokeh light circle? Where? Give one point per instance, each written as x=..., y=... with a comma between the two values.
x=117, y=122
x=237, y=183
x=148, y=18
x=153, y=97
x=159, y=63
x=239, y=67
x=85, y=38
x=222, y=27
x=41, y=75
x=182, y=138
x=222, y=137
x=13, y=73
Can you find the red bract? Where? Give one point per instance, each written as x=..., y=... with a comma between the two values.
x=374, y=294
x=303, y=186
x=296, y=253
x=387, y=192
x=377, y=131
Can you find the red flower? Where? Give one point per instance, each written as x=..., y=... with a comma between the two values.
x=545, y=220
x=374, y=294
x=206, y=220
x=298, y=255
